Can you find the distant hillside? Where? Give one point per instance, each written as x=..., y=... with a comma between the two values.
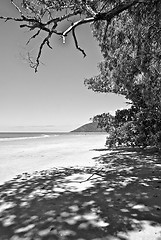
x=89, y=127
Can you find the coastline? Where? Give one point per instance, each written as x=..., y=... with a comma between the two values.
x=58, y=150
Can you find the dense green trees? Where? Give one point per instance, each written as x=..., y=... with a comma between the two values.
x=129, y=35
x=132, y=66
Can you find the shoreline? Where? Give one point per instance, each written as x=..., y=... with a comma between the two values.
x=39, y=154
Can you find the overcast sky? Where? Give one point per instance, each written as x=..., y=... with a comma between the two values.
x=55, y=98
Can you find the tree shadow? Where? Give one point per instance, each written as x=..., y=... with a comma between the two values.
x=119, y=197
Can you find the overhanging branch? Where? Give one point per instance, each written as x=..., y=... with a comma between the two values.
x=76, y=24
x=51, y=26
x=117, y=10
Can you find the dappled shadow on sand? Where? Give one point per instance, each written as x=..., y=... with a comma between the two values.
x=118, y=200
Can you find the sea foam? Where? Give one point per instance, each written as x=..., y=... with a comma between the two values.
x=24, y=138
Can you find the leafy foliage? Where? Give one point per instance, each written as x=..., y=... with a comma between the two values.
x=131, y=46
x=105, y=121
x=132, y=127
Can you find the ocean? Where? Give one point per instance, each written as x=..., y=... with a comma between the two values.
x=35, y=151
x=7, y=136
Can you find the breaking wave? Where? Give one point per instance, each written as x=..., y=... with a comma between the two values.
x=23, y=138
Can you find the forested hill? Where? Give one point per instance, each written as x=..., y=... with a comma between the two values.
x=89, y=127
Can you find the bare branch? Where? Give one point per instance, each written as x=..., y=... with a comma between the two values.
x=62, y=18
x=78, y=23
x=48, y=43
x=88, y=178
x=18, y=9
x=35, y=24
x=95, y=173
x=45, y=41
x=12, y=19
x=34, y=36
x=76, y=43
x=31, y=62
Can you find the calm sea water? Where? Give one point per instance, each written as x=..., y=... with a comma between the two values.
x=4, y=136
x=9, y=136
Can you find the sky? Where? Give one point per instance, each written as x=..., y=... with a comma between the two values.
x=55, y=98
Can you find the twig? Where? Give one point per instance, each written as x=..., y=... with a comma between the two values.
x=11, y=18
x=88, y=178
x=34, y=36
x=18, y=9
x=62, y=18
x=91, y=177
x=45, y=41
x=76, y=43
x=90, y=10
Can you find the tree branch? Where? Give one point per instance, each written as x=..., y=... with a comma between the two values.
x=12, y=19
x=36, y=25
x=95, y=173
x=76, y=43
x=76, y=24
x=117, y=10
x=34, y=36
x=102, y=16
x=18, y=9
x=62, y=18
x=45, y=41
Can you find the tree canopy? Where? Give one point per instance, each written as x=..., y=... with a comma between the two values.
x=132, y=66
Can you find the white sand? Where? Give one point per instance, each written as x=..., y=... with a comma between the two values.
x=29, y=155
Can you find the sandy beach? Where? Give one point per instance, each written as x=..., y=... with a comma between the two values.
x=78, y=190
x=35, y=154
